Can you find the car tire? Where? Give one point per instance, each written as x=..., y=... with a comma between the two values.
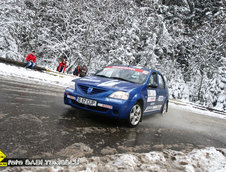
x=135, y=115
x=164, y=108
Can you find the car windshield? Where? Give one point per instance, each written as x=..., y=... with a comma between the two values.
x=124, y=73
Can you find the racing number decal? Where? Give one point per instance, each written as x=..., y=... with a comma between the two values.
x=151, y=100
x=151, y=96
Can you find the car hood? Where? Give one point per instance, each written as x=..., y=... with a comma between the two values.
x=108, y=83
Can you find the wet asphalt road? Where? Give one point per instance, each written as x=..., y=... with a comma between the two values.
x=35, y=123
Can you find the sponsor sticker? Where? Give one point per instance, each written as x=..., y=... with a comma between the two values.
x=109, y=83
x=151, y=93
x=151, y=99
x=155, y=107
x=128, y=68
x=71, y=97
x=148, y=109
x=152, y=108
x=90, y=79
x=145, y=72
x=104, y=106
x=161, y=98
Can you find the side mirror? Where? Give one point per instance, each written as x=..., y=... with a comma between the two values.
x=153, y=85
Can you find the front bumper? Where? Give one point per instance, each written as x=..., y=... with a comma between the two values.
x=106, y=106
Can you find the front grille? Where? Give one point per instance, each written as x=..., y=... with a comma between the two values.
x=85, y=88
x=97, y=108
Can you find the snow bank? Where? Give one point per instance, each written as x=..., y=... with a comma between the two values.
x=55, y=78
x=190, y=108
x=207, y=159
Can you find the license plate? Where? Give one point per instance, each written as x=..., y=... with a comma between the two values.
x=86, y=101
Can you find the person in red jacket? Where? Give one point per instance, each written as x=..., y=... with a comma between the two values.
x=62, y=66
x=31, y=60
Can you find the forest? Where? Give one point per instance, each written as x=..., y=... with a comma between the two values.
x=183, y=39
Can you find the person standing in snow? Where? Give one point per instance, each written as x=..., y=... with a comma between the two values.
x=62, y=66
x=83, y=71
x=76, y=71
x=80, y=71
x=31, y=60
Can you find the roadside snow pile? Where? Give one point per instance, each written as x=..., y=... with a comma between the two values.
x=50, y=78
x=189, y=108
x=208, y=159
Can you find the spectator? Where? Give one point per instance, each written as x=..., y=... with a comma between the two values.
x=31, y=60
x=83, y=71
x=76, y=71
x=80, y=71
x=62, y=66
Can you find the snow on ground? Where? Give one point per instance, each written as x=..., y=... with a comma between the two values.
x=207, y=159
x=190, y=108
x=55, y=78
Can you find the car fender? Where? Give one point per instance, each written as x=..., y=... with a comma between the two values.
x=136, y=98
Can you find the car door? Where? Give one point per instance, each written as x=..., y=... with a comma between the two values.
x=161, y=91
x=152, y=94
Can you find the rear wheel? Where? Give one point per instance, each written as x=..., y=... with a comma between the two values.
x=135, y=115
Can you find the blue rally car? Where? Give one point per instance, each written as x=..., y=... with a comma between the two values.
x=124, y=92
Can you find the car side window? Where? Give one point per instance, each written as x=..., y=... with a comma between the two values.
x=161, y=82
x=153, y=80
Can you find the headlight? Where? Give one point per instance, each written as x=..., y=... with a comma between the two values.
x=72, y=85
x=120, y=95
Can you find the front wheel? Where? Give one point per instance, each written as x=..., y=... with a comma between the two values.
x=135, y=115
